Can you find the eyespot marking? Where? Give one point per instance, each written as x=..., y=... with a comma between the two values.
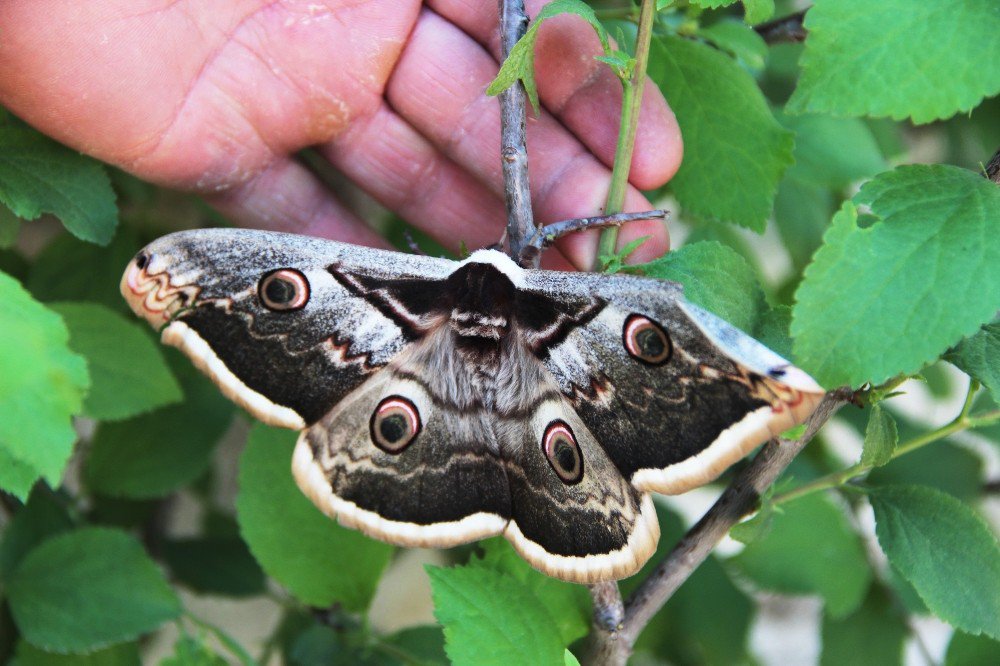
x=563, y=453
x=645, y=340
x=283, y=290
x=394, y=424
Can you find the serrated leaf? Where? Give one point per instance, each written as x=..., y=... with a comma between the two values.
x=37, y=175
x=69, y=269
x=931, y=51
x=327, y=564
x=43, y=516
x=873, y=635
x=833, y=152
x=945, y=550
x=520, y=63
x=128, y=375
x=738, y=39
x=966, y=650
x=715, y=277
x=568, y=605
x=888, y=298
x=122, y=654
x=89, y=588
x=491, y=618
x=881, y=438
x=810, y=549
x=979, y=357
x=214, y=565
x=757, y=11
x=42, y=384
x=734, y=149
x=156, y=453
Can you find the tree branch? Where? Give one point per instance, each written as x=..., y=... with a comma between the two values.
x=785, y=29
x=739, y=499
x=514, y=152
x=992, y=170
x=548, y=234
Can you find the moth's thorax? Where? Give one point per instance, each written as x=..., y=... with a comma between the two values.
x=482, y=305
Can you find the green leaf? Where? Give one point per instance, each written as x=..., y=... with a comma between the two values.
x=871, y=636
x=37, y=175
x=569, y=659
x=42, y=384
x=43, y=516
x=318, y=561
x=734, y=149
x=881, y=438
x=966, y=650
x=738, y=39
x=86, y=589
x=836, y=567
x=189, y=651
x=931, y=51
x=888, y=298
x=520, y=63
x=613, y=263
x=127, y=372
x=759, y=524
x=69, y=269
x=715, y=277
x=156, y=453
x=833, y=152
x=757, y=11
x=214, y=565
x=979, y=357
x=122, y=654
x=568, y=605
x=945, y=550
x=491, y=618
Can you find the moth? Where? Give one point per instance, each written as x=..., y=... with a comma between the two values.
x=445, y=401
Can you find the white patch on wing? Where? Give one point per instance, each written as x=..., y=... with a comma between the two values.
x=314, y=483
x=500, y=261
x=591, y=569
x=731, y=445
x=180, y=335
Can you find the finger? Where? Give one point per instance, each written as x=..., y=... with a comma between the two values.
x=285, y=196
x=437, y=87
x=404, y=172
x=583, y=92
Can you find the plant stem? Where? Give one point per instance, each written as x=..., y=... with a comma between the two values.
x=227, y=641
x=631, y=104
x=961, y=422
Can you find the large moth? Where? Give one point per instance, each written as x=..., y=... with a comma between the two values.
x=443, y=401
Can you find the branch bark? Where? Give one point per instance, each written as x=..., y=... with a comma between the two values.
x=740, y=498
x=992, y=170
x=548, y=234
x=514, y=152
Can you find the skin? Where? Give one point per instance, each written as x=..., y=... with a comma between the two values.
x=216, y=97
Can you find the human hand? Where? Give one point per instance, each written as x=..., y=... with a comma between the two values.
x=218, y=97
